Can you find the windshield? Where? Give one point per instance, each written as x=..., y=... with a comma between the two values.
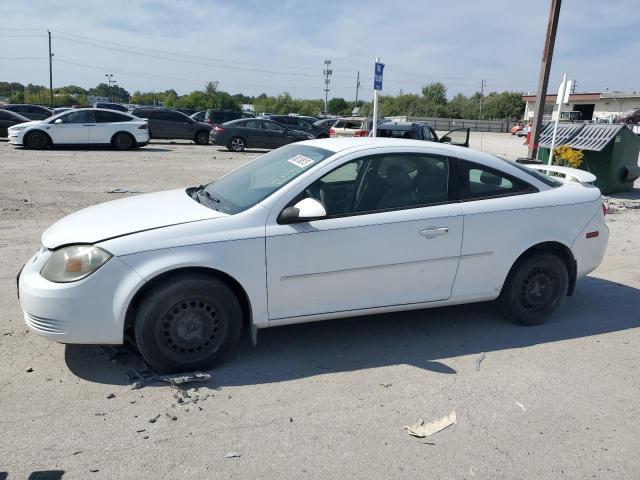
x=250, y=184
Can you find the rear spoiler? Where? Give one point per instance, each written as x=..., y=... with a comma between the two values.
x=569, y=174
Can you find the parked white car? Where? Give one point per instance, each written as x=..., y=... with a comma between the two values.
x=313, y=230
x=83, y=126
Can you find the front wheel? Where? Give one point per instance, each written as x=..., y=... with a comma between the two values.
x=36, y=140
x=187, y=323
x=535, y=288
x=236, y=144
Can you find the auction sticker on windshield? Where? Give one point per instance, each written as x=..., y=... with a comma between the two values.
x=300, y=161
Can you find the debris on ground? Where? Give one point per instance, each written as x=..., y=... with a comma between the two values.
x=123, y=190
x=479, y=360
x=521, y=406
x=385, y=385
x=421, y=429
x=110, y=396
x=173, y=380
x=171, y=417
x=29, y=370
x=153, y=420
x=232, y=455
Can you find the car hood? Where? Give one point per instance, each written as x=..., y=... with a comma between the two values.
x=30, y=123
x=126, y=216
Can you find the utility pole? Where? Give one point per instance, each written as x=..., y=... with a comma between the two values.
x=543, y=82
x=483, y=83
x=357, y=88
x=50, y=72
x=109, y=77
x=573, y=86
x=327, y=72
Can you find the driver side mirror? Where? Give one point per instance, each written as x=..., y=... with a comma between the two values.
x=58, y=120
x=305, y=210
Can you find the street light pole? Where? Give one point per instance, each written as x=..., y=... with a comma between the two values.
x=50, y=72
x=109, y=76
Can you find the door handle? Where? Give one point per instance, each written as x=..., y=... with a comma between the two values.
x=434, y=232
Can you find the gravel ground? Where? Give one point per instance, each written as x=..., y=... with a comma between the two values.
x=323, y=400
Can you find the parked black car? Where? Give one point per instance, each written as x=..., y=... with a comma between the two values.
x=198, y=116
x=218, y=117
x=326, y=122
x=9, y=119
x=422, y=131
x=254, y=132
x=165, y=123
x=111, y=106
x=300, y=123
x=32, y=112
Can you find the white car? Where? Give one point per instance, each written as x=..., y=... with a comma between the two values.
x=83, y=126
x=313, y=230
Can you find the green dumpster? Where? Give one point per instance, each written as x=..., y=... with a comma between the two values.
x=610, y=151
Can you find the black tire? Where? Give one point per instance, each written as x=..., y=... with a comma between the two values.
x=36, y=140
x=123, y=141
x=187, y=323
x=236, y=144
x=202, y=137
x=535, y=288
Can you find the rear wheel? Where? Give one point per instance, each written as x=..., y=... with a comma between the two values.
x=202, y=137
x=236, y=144
x=188, y=323
x=36, y=140
x=123, y=141
x=534, y=289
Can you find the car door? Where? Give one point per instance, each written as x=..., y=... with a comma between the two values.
x=8, y=119
x=457, y=136
x=182, y=125
x=107, y=124
x=253, y=133
x=72, y=127
x=390, y=238
x=275, y=135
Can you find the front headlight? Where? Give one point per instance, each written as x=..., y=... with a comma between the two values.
x=17, y=128
x=73, y=263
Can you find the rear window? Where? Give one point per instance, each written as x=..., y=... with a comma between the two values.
x=386, y=133
x=349, y=124
x=546, y=179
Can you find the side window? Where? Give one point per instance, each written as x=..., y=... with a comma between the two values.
x=109, y=117
x=4, y=115
x=478, y=181
x=272, y=126
x=252, y=124
x=382, y=182
x=427, y=133
x=79, y=116
x=337, y=189
x=177, y=117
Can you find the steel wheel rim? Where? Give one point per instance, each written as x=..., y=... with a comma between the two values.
x=191, y=330
x=538, y=290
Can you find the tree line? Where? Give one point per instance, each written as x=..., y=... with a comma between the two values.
x=432, y=101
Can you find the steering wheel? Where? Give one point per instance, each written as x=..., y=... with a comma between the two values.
x=316, y=191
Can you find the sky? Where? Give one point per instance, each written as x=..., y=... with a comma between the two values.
x=273, y=46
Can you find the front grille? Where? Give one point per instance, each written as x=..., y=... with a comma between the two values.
x=44, y=325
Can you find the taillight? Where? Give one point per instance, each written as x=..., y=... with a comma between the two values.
x=218, y=129
x=605, y=210
x=332, y=132
x=361, y=133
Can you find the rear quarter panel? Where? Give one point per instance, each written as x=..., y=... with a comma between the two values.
x=497, y=231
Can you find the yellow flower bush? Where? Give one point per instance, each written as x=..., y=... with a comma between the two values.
x=566, y=156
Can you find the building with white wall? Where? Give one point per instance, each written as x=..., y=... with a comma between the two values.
x=602, y=106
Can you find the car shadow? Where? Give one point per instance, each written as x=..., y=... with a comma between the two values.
x=252, y=150
x=421, y=338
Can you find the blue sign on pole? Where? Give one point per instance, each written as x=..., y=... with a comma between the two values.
x=377, y=77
